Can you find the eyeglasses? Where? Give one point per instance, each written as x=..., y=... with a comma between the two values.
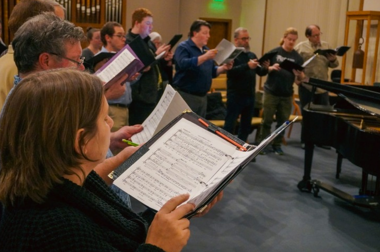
x=79, y=63
x=316, y=35
x=120, y=36
x=245, y=38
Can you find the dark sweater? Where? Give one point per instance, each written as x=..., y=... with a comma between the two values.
x=74, y=218
x=146, y=88
x=241, y=80
x=280, y=83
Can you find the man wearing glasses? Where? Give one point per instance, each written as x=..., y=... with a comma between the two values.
x=317, y=68
x=113, y=37
x=241, y=85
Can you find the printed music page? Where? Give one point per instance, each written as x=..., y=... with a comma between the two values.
x=226, y=52
x=186, y=159
x=169, y=107
x=116, y=65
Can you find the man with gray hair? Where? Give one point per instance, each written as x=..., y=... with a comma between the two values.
x=241, y=85
x=46, y=42
x=23, y=10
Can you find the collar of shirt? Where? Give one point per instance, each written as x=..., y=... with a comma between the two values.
x=317, y=46
x=17, y=80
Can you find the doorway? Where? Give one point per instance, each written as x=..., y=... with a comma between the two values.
x=220, y=29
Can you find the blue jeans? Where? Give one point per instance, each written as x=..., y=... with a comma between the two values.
x=275, y=105
x=236, y=106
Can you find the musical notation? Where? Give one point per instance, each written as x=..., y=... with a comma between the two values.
x=185, y=161
x=170, y=106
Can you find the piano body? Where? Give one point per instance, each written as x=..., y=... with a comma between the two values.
x=352, y=127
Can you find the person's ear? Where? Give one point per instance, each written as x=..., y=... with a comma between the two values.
x=108, y=38
x=45, y=61
x=77, y=145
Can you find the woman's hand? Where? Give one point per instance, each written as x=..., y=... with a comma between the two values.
x=169, y=230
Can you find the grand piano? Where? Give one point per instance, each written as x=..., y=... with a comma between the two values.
x=352, y=126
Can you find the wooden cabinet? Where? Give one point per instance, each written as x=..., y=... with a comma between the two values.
x=361, y=25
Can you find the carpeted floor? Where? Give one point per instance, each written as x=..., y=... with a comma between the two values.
x=262, y=210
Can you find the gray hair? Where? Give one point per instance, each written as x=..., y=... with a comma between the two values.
x=43, y=33
x=238, y=30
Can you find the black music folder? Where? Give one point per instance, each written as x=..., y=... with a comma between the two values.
x=339, y=51
x=290, y=65
x=189, y=155
x=174, y=40
x=267, y=56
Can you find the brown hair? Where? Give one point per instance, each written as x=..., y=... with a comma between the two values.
x=196, y=26
x=90, y=33
x=38, y=129
x=139, y=14
x=26, y=9
x=309, y=28
x=108, y=29
x=288, y=31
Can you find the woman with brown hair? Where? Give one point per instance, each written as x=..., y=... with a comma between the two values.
x=93, y=37
x=54, y=131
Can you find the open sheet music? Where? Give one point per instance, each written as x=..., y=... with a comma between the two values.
x=226, y=52
x=185, y=157
x=169, y=107
x=124, y=62
x=132, y=58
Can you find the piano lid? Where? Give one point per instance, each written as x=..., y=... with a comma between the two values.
x=361, y=97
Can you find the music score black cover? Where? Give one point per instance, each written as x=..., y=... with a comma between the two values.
x=186, y=157
x=267, y=56
x=290, y=65
x=174, y=40
x=339, y=51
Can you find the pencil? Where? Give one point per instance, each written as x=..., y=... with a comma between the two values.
x=224, y=136
x=129, y=142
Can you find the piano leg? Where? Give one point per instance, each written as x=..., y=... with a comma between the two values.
x=304, y=185
x=339, y=165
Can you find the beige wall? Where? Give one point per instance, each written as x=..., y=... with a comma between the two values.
x=371, y=5
x=176, y=16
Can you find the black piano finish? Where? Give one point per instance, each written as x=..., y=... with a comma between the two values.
x=352, y=131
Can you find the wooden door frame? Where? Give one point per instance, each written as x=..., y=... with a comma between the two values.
x=221, y=20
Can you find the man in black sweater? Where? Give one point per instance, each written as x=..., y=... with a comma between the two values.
x=241, y=86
